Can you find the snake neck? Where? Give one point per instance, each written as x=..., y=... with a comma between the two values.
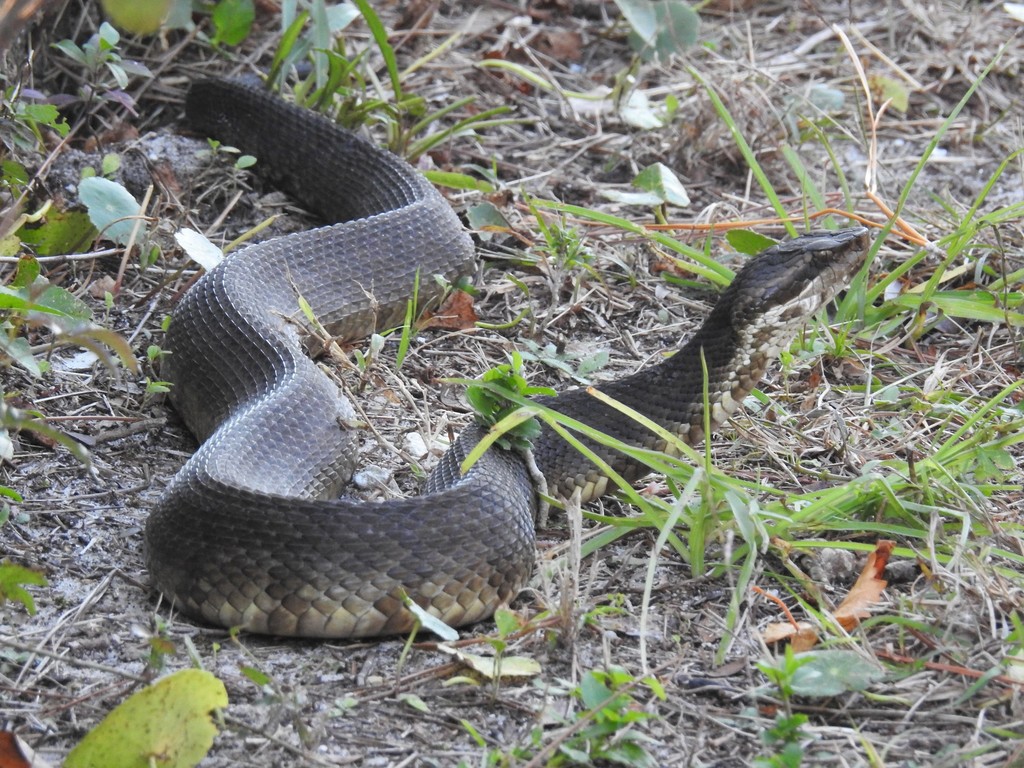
x=671, y=394
x=716, y=364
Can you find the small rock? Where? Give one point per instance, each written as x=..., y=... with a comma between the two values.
x=370, y=477
x=415, y=445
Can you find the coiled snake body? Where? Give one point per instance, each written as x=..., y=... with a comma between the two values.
x=250, y=532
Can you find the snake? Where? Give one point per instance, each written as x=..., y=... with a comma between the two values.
x=256, y=531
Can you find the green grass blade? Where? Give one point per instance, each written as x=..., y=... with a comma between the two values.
x=746, y=151
x=380, y=36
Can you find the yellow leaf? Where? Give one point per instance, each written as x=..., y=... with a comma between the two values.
x=167, y=724
x=494, y=666
x=891, y=90
x=139, y=18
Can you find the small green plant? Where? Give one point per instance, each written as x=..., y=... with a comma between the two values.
x=337, y=86
x=824, y=673
x=156, y=387
x=309, y=34
x=606, y=729
x=110, y=164
x=365, y=360
x=658, y=187
x=564, y=247
x=21, y=127
x=106, y=72
x=31, y=301
x=612, y=712
x=783, y=673
x=237, y=159
x=507, y=623
x=155, y=353
x=564, y=244
x=161, y=646
x=784, y=739
x=14, y=578
x=491, y=407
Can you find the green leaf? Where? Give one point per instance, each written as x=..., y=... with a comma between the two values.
x=70, y=49
x=111, y=208
x=661, y=181
x=287, y=43
x=641, y=17
x=48, y=115
x=970, y=305
x=28, y=271
x=506, y=621
x=13, y=174
x=110, y=163
x=594, y=692
x=746, y=242
x=167, y=724
x=232, y=20
x=380, y=36
x=49, y=299
x=486, y=216
x=10, y=493
x=257, y=676
x=593, y=363
x=20, y=351
x=11, y=578
x=109, y=37
x=660, y=28
x=831, y=673
x=461, y=181
x=414, y=701
x=55, y=300
x=59, y=233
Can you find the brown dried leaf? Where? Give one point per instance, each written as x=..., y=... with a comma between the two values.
x=561, y=45
x=15, y=753
x=802, y=635
x=101, y=286
x=456, y=314
x=868, y=589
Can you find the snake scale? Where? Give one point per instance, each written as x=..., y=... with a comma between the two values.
x=251, y=531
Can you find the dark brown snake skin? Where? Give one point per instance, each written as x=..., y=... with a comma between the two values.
x=250, y=532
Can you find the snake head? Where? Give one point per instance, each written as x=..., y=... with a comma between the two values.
x=790, y=281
